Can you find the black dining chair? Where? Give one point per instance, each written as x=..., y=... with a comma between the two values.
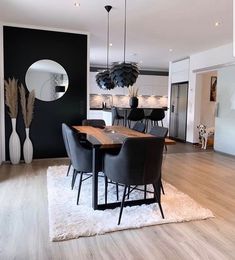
x=81, y=157
x=116, y=116
x=139, y=127
x=66, y=146
x=157, y=114
x=138, y=163
x=94, y=122
x=161, y=132
x=136, y=114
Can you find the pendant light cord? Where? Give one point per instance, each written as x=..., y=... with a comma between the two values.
x=108, y=43
x=125, y=35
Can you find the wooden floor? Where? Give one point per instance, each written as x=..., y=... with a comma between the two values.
x=207, y=177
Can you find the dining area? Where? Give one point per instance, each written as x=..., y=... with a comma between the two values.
x=127, y=159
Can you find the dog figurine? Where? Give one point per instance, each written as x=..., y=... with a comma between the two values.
x=204, y=133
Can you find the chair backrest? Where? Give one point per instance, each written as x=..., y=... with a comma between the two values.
x=66, y=144
x=157, y=114
x=159, y=131
x=136, y=114
x=138, y=163
x=81, y=156
x=140, y=127
x=93, y=122
x=116, y=114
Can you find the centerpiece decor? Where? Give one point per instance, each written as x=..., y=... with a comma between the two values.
x=27, y=106
x=133, y=94
x=11, y=101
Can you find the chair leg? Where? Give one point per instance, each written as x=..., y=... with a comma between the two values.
x=162, y=188
x=117, y=191
x=106, y=190
x=79, y=187
x=128, y=194
x=73, y=178
x=158, y=199
x=122, y=204
x=145, y=191
x=69, y=169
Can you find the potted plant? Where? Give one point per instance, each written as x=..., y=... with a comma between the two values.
x=133, y=94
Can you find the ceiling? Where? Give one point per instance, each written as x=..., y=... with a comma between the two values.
x=153, y=26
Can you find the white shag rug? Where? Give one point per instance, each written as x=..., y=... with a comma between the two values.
x=67, y=220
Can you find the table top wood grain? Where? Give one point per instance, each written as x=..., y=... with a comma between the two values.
x=112, y=136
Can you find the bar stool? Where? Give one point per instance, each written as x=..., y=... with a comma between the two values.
x=156, y=115
x=116, y=116
x=136, y=114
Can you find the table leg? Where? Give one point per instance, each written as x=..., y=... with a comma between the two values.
x=125, y=117
x=95, y=172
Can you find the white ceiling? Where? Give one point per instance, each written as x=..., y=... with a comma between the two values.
x=153, y=26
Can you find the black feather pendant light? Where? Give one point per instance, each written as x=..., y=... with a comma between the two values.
x=124, y=74
x=103, y=78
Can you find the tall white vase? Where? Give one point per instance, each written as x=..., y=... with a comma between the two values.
x=28, y=148
x=14, y=144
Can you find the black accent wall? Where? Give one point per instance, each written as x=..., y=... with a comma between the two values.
x=23, y=47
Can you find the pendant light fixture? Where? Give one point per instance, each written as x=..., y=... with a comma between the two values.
x=124, y=74
x=103, y=78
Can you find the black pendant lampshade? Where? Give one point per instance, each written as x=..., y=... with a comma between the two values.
x=104, y=81
x=103, y=78
x=124, y=74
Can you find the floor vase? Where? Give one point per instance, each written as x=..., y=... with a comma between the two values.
x=14, y=144
x=27, y=148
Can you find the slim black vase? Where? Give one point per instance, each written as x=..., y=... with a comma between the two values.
x=133, y=102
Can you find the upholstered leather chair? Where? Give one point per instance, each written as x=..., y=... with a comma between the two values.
x=161, y=132
x=94, y=122
x=66, y=145
x=136, y=114
x=139, y=127
x=139, y=162
x=80, y=155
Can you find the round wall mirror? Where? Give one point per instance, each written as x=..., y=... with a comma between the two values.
x=48, y=78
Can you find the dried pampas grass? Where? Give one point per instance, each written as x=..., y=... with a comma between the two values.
x=27, y=105
x=11, y=96
x=133, y=91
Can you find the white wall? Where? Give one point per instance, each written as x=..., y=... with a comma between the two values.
x=225, y=121
x=204, y=61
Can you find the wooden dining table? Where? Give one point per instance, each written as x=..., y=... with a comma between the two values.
x=101, y=140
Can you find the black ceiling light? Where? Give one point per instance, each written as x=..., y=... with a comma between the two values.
x=124, y=74
x=103, y=78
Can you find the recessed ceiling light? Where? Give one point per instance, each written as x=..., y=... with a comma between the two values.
x=170, y=50
x=110, y=44
x=76, y=4
x=217, y=24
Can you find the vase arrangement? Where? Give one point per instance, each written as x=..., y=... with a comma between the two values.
x=133, y=94
x=27, y=105
x=27, y=148
x=14, y=144
x=133, y=102
x=11, y=100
